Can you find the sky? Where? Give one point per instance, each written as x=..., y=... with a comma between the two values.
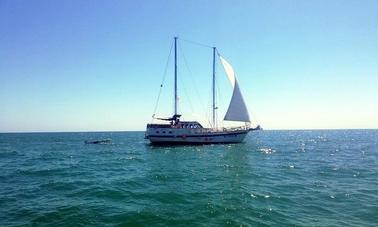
x=80, y=65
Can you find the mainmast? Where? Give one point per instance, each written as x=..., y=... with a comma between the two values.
x=175, y=76
x=214, y=107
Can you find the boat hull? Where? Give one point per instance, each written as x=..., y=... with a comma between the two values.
x=210, y=138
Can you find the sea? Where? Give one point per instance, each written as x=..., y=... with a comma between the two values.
x=274, y=178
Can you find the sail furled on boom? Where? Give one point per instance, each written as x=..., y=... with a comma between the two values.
x=237, y=109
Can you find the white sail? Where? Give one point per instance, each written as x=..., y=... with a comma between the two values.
x=237, y=110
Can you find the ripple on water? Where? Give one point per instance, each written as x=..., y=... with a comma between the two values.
x=267, y=150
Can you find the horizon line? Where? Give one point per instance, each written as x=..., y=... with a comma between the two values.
x=269, y=129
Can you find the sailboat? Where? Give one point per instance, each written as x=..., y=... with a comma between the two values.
x=192, y=132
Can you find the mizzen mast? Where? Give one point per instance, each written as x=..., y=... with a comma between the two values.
x=214, y=105
x=175, y=92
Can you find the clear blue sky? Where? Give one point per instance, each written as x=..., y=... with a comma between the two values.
x=97, y=65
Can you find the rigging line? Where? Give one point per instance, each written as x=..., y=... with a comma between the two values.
x=183, y=83
x=218, y=52
x=254, y=116
x=163, y=80
x=193, y=81
x=196, y=43
x=209, y=112
x=186, y=93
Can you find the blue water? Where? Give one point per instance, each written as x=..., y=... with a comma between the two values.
x=302, y=178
